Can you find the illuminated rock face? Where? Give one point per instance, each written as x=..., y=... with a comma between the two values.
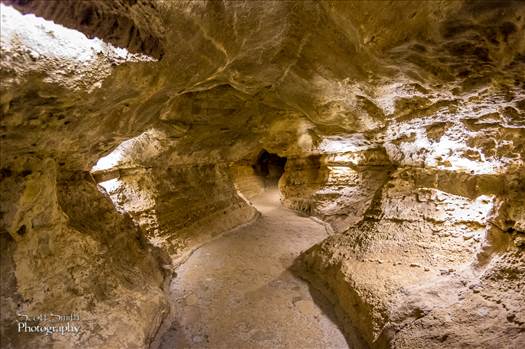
x=420, y=252
x=403, y=125
x=179, y=208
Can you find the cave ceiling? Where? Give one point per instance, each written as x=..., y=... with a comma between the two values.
x=221, y=80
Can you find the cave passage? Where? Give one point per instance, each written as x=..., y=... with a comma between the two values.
x=270, y=167
x=238, y=291
x=249, y=159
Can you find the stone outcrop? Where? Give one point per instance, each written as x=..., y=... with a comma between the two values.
x=69, y=252
x=246, y=181
x=417, y=254
x=403, y=125
x=132, y=24
x=179, y=208
x=335, y=188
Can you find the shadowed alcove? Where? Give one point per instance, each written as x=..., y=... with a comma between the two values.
x=270, y=167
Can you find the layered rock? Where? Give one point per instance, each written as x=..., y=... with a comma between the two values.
x=70, y=252
x=420, y=253
x=246, y=181
x=131, y=24
x=181, y=207
x=335, y=188
x=400, y=122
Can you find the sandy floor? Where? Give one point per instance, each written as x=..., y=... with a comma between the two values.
x=236, y=292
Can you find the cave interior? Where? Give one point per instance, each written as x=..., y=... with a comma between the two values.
x=262, y=174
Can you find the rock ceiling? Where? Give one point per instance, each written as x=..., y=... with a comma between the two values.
x=232, y=76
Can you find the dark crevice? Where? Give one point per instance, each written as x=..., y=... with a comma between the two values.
x=269, y=166
x=22, y=230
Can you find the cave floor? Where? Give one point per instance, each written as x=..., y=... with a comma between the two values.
x=238, y=292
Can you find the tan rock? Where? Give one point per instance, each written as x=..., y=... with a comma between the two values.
x=402, y=123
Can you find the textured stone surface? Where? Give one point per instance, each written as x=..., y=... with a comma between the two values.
x=336, y=188
x=179, y=208
x=246, y=181
x=418, y=260
x=396, y=117
x=70, y=252
x=134, y=25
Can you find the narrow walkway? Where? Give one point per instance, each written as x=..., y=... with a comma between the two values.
x=236, y=292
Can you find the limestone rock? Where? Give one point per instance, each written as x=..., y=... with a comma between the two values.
x=403, y=123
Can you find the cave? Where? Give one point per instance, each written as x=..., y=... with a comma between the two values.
x=270, y=167
x=262, y=174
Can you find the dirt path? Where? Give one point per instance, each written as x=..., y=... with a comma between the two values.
x=236, y=292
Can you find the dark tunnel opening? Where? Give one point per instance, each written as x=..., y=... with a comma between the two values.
x=270, y=167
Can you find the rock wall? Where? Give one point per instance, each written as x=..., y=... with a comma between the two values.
x=246, y=181
x=335, y=188
x=422, y=267
x=181, y=206
x=130, y=24
x=69, y=251
x=395, y=118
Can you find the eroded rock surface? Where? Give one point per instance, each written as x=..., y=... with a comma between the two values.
x=69, y=252
x=419, y=254
x=403, y=124
x=181, y=207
